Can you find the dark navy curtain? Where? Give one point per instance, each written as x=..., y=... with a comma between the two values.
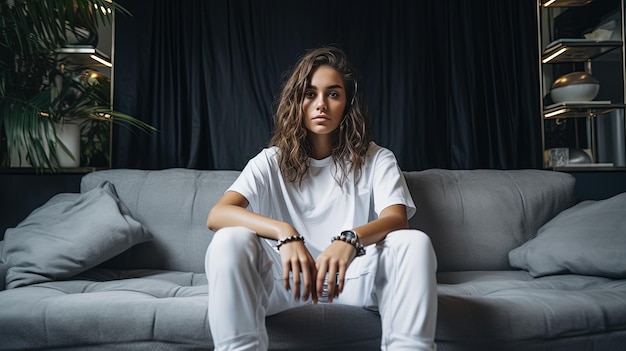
x=449, y=83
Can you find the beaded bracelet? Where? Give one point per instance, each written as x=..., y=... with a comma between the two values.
x=289, y=239
x=350, y=237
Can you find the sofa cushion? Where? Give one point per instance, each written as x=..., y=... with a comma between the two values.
x=69, y=234
x=104, y=309
x=108, y=310
x=173, y=204
x=511, y=310
x=475, y=217
x=589, y=239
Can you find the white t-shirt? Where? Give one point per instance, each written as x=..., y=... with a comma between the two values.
x=320, y=209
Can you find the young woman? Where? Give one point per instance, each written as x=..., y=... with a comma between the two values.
x=321, y=215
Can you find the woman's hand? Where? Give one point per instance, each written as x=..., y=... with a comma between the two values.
x=334, y=262
x=298, y=260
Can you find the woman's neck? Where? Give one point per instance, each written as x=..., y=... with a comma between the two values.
x=321, y=145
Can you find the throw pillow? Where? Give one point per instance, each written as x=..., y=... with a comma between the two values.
x=68, y=235
x=588, y=239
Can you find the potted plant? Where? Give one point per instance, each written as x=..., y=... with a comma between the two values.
x=81, y=102
x=39, y=91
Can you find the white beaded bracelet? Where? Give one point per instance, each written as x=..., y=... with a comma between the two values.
x=289, y=239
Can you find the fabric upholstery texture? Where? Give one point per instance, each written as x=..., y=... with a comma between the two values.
x=512, y=305
x=109, y=309
x=588, y=239
x=166, y=307
x=153, y=296
x=68, y=235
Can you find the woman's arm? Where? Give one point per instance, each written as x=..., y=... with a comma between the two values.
x=391, y=218
x=231, y=211
x=334, y=261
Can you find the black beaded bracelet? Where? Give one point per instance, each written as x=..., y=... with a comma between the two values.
x=350, y=237
x=289, y=239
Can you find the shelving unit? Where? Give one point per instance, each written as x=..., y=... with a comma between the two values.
x=98, y=58
x=576, y=122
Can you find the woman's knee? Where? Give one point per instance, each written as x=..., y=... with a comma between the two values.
x=416, y=241
x=228, y=244
x=410, y=237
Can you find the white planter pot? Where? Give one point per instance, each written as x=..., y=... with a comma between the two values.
x=69, y=134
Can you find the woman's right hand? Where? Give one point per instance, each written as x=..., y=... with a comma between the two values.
x=298, y=260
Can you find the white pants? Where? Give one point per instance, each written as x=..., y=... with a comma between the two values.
x=396, y=277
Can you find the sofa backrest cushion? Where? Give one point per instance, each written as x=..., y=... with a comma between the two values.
x=173, y=204
x=475, y=217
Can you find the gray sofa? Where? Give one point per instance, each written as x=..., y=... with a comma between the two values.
x=521, y=266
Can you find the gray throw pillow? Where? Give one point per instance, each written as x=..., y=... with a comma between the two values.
x=68, y=235
x=588, y=239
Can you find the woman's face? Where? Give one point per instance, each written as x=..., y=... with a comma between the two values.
x=324, y=101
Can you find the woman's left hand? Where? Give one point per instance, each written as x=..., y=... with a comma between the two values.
x=334, y=262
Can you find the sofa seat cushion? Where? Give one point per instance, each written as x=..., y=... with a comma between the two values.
x=105, y=308
x=512, y=306
x=152, y=309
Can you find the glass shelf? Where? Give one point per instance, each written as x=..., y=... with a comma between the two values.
x=85, y=56
x=577, y=50
x=564, y=3
x=579, y=109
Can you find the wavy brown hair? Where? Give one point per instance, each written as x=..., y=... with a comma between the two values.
x=351, y=139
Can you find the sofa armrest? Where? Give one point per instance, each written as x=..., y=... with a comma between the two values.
x=3, y=275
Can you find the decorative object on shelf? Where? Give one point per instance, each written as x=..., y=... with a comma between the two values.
x=38, y=89
x=575, y=86
x=558, y=156
x=563, y=156
x=578, y=156
x=610, y=29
